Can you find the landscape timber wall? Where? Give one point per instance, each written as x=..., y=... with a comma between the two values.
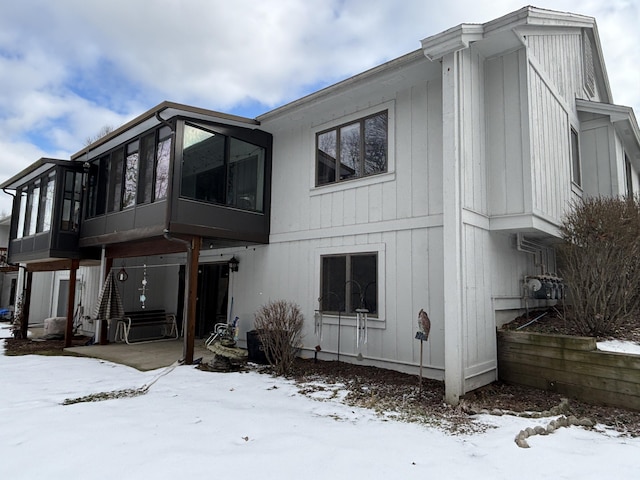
x=570, y=366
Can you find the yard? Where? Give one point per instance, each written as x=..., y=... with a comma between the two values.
x=331, y=421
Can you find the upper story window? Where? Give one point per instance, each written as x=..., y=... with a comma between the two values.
x=576, y=174
x=353, y=150
x=46, y=203
x=163, y=154
x=221, y=169
x=136, y=173
x=71, y=201
x=36, y=206
x=628, y=176
x=130, y=186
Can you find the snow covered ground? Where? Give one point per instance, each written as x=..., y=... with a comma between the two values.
x=194, y=424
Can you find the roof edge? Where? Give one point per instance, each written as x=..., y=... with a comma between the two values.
x=17, y=180
x=158, y=109
x=457, y=38
x=390, y=65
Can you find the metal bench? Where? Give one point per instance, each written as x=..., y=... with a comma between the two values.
x=146, y=325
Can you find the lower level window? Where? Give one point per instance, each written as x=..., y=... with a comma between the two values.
x=348, y=283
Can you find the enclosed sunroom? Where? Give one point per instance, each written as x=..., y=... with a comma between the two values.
x=169, y=181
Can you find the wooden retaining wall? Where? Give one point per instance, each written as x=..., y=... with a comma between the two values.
x=571, y=366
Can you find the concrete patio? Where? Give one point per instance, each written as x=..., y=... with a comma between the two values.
x=144, y=355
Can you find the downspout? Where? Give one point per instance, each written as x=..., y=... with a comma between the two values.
x=8, y=193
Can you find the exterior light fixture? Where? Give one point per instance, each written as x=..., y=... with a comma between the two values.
x=122, y=275
x=233, y=264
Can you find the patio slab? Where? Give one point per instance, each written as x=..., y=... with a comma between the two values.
x=144, y=355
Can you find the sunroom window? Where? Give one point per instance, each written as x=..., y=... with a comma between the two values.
x=135, y=174
x=223, y=170
x=353, y=150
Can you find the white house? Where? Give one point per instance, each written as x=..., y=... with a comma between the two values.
x=436, y=181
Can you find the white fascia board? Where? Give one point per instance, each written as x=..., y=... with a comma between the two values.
x=624, y=121
x=457, y=38
x=452, y=40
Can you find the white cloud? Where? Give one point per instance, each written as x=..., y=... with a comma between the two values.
x=70, y=67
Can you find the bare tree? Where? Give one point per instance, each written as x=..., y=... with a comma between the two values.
x=103, y=132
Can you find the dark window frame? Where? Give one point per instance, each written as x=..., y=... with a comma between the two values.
x=576, y=166
x=353, y=294
x=108, y=173
x=628, y=173
x=225, y=184
x=32, y=205
x=71, y=201
x=356, y=169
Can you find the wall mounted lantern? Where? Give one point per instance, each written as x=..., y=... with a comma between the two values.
x=122, y=275
x=233, y=264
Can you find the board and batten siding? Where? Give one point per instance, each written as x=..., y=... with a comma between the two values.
x=597, y=142
x=478, y=325
x=506, y=123
x=559, y=59
x=550, y=150
x=473, y=167
x=397, y=214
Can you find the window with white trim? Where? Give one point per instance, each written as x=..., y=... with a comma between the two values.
x=349, y=282
x=352, y=150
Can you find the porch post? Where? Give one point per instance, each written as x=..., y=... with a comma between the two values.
x=26, y=304
x=71, y=299
x=191, y=287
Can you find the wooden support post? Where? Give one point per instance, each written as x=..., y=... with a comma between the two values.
x=104, y=340
x=71, y=300
x=26, y=304
x=191, y=287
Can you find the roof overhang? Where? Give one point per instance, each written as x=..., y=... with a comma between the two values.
x=506, y=33
x=34, y=170
x=462, y=36
x=624, y=122
x=155, y=116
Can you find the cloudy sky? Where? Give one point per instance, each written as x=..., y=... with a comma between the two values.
x=70, y=67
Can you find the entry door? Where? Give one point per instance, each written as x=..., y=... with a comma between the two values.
x=213, y=294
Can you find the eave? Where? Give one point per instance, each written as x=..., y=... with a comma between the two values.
x=34, y=170
x=623, y=120
x=168, y=111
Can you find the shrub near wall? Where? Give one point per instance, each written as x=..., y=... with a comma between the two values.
x=571, y=366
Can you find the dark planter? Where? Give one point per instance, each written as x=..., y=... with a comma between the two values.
x=255, y=348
